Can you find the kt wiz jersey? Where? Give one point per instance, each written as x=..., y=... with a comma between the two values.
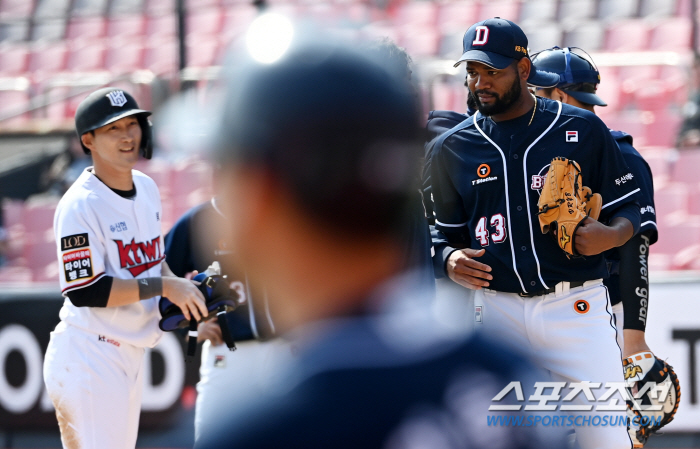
x=99, y=233
x=487, y=178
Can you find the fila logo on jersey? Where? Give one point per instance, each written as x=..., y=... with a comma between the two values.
x=572, y=136
x=581, y=306
x=482, y=35
x=117, y=98
x=138, y=257
x=479, y=314
x=74, y=242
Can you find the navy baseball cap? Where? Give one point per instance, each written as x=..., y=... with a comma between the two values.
x=497, y=43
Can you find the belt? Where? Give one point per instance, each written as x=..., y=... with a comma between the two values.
x=572, y=284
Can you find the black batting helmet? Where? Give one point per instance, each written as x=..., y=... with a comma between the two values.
x=578, y=75
x=108, y=105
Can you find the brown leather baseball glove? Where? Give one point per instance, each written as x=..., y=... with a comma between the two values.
x=565, y=202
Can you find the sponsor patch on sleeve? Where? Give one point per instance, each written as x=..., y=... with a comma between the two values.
x=76, y=241
x=77, y=264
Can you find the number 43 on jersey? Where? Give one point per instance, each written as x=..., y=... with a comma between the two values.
x=495, y=228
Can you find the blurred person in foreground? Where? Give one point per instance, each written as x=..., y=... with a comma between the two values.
x=320, y=148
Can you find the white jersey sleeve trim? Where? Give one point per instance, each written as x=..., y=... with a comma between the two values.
x=507, y=211
x=527, y=196
x=621, y=198
x=447, y=225
x=650, y=222
x=82, y=284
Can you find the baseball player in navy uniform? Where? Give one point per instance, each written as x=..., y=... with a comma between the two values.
x=628, y=284
x=374, y=370
x=486, y=176
x=110, y=250
x=193, y=244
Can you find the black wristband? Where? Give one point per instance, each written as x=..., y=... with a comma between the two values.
x=150, y=287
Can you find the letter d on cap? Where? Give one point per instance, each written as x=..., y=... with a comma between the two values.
x=482, y=35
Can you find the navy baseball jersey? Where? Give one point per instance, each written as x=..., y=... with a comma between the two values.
x=438, y=123
x=628, y=264
x=487, y=177
x=365, y=382
x=188, y=247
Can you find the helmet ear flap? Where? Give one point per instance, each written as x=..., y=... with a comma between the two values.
x=146, y=137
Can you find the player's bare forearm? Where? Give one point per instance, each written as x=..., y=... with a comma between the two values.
x=593, y=237
x=634, y=342
x=210, y=330
x=123, y=292
x=467, y=272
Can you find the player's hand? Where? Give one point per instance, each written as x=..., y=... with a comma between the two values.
x=593, y=237
x=467, y=272
x=186, y=296
x=210, y=330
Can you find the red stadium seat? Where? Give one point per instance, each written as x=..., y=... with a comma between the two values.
x=663, y=129
x=420, y=41
x=627, y=35
x=131, y=26
x=48, y=58
x=162, y=57
x=236, y=21
x=657, y=8
x=13, y=60
x=119, y=7
x=51, y=8
x=544, y=35
x=589, y=35
x=617, y=9
x=161, y=27
x=660, y=162
x=457, y=16
x=16, y=9
x=205, y=22
x=49, y=30
x=86, y=28
x=675, y=33
x=505, y=9
x=12, y=103
x=88, y=56
x=417, y=14
x=38, y=216
x=576, y=10
x=202, y=51
x=124, y=57
x=671, y=200
x=685, y=168
x=159, y=7
x=88, y=8
x=542, y=11
x=674, y=239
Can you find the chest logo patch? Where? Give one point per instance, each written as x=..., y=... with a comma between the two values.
x=572, y=136
x=138, y=257
x=538, y=179
x=483, y=171
x=581, y=306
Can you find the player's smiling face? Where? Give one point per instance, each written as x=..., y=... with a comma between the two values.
x=116, y=144
x=495, y=90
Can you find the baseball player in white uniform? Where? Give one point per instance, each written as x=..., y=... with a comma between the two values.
x=110, y=251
